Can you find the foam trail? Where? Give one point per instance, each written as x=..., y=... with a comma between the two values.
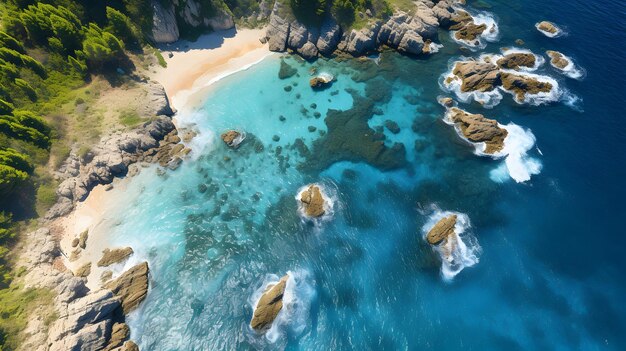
x=294, y=316
x=519, y=165
x=460, y=250
x=571, y=70
x=434, y=47
x=559, y=31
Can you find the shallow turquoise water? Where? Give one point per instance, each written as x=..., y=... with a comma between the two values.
x=550, y=265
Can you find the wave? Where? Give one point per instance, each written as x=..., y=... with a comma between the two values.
x=329, y=194
x=294, y=316
x=434, y=47
x=459, y=250
x=491, y=34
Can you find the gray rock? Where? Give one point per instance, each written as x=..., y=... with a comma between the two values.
x=330, y=35
x=164, y=26
x=71, y=289
x=361, y=42
x=308, y=51
x=278, y=29
x=221, y=21
x=411, y=43
x=91, y=337
x=157, y=102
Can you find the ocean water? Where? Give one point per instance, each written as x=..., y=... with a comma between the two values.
x=543, y=262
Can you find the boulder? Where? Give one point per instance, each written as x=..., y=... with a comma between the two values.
x=521, y=85
x=478, y=129
x=164, y=26
x=131, y=287
x=321, y=81
x=547, y=27
x=222, y=20
x=313, y=201
x=82, y=239
x=84, y=270
x=330, y=35
x=441, y=230
x=517, y=60
x=411, y=43
x=116, y=255
x=157, y=103
x=557, y=59
x=232, y=138
x=119, y=333
x=362, y=41
x=477, y=76
x=269, y=306
x=91, y=337
x=446, y=102
x=308, y=51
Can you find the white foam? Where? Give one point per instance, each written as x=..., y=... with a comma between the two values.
x=571, y=70
x=294, y=316
x=451, y=83
x=559, y=31
x=330, y=199
x=434, y=47
x=459, y=250
x=490, y=34
x=539, y=60
x=518, y=142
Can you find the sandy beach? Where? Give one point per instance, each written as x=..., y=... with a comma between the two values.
x=192, y=67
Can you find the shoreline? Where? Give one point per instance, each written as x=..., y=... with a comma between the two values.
x=214, y=56
x=184, y=80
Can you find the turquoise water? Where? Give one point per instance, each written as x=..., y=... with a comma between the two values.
x=549, y=267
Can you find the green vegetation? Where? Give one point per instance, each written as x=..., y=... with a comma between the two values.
x=130, y=118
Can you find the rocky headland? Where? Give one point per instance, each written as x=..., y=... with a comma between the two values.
x=407, y=33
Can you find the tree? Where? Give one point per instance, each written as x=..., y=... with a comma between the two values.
x=122, y=27
x=309, y=11
x=100, y=47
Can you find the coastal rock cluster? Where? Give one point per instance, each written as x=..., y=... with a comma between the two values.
x=313, y=202
x=410, y=34
x=155, y=141
x=85, y=319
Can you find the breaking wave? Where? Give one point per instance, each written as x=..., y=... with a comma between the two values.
x=459, y=250
x=491, y=34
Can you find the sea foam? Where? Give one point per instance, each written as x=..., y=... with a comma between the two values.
x=294, y=316
x=571, y=70
x=491, y=34
x=460, y=250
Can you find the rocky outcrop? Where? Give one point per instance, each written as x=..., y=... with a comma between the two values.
x=478, y=129
x=232, y=138
x=313, y=202
x=222, y=20
x=441, y=230
x=269, y=306
x=116, y=152
x=321, y=81
x=477, y=76
x=521, y=85
x=548, y=28
x=156, y=103
x=112, y=256
x=403, y=32
x=517, y=60
x=164, y=26
x=557, y=59
x=131, y=287
x=286, y=70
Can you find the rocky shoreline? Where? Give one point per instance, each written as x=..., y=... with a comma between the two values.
x=94, y=319
x=406, y=33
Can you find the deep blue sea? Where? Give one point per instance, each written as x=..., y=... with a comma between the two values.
x=548, y=270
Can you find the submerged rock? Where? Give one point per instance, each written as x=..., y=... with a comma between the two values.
x=557, y=59
x=478, y=129
x=441, y=230
x=269, y=306
x=286, y=70
x=232, y=138
x=313, y=201
x=517, y=60
x=117, y=255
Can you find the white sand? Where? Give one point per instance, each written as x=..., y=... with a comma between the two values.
x=195, y=65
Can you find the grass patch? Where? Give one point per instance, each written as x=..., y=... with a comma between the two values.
x=159, y=57
x=16, y=304
x=403, y=5
x=46, y=195
x=130, y=118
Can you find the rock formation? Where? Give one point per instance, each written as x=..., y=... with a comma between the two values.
x=313, y=201
x=557, y=59
x=548, y=28
x=477, y=76
x=117, y=255
x=131, y=287
x=403, y=32
x=478, y=129
x=321, y=81
x=232, y=138
x=164, y=27
x=441, y=230
x=521, y=85
x=269, y=306
x=517, y=60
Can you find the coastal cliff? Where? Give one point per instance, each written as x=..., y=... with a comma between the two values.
x=407, y=33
